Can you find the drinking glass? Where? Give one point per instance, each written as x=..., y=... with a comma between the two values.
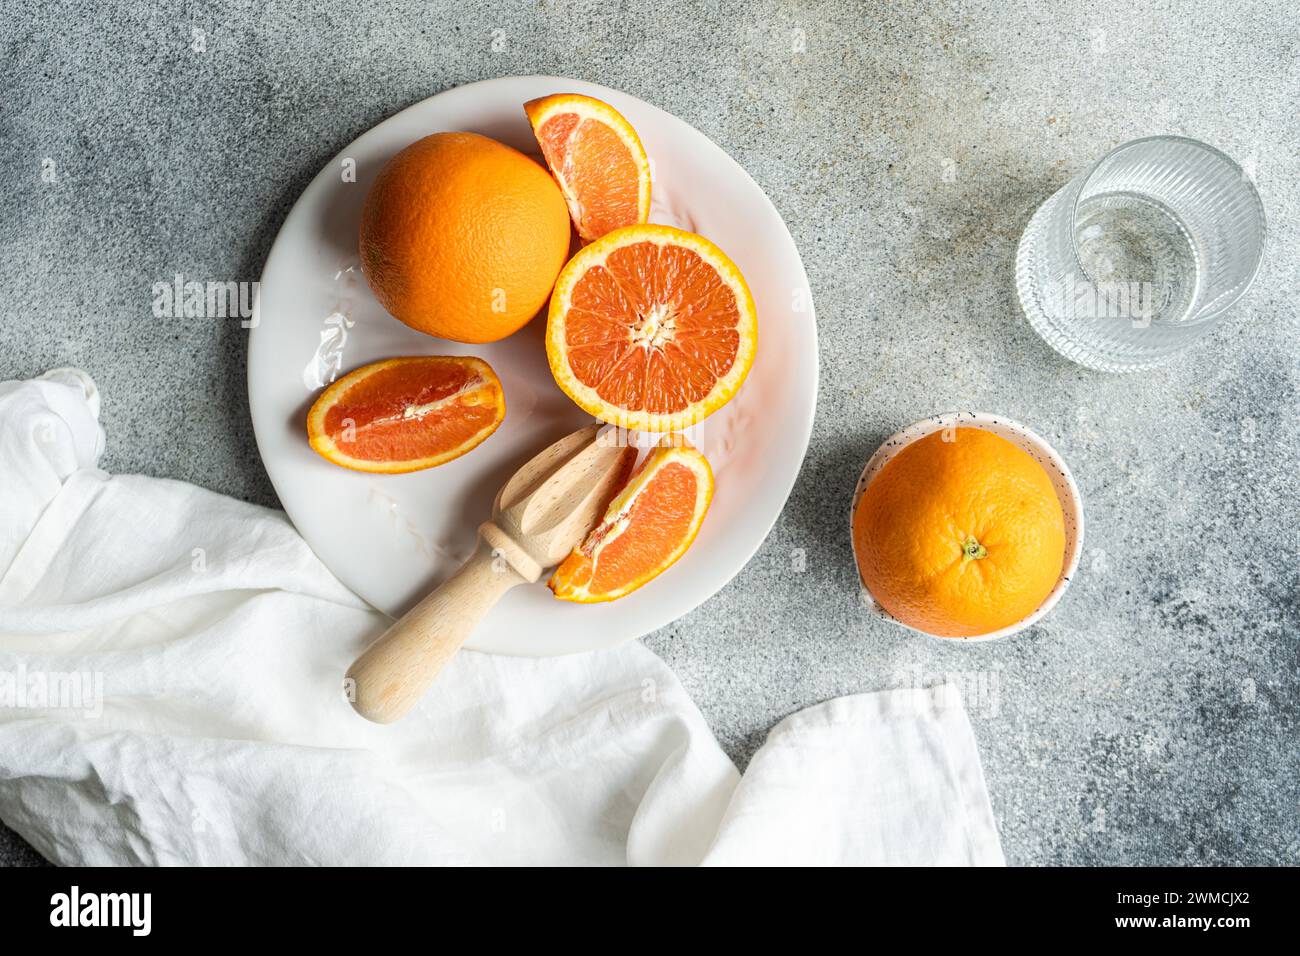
x=1141, y=254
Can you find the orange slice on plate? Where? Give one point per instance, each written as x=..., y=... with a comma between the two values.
x=647, y=527
x=406, y=414
x=651, y=328
x=596, y=157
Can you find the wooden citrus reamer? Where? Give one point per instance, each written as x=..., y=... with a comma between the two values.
x=539, y=516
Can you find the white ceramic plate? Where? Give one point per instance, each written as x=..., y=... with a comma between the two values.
x=1067, y=492
x=391, y=538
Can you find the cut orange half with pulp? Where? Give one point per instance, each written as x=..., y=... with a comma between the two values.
x=597, y=159
x=406, y=414
x=651, y=328
x=647, y=527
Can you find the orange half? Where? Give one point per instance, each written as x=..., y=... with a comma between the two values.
x=647, y=527
x=406, y=414
x=597, y=159
x=651, y=328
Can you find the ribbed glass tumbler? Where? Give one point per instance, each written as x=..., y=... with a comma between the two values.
x=1141, y=254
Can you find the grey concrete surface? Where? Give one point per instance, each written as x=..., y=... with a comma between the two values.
x=1152, y=719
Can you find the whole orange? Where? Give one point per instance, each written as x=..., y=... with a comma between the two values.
x=960, y=534
x=462, y=237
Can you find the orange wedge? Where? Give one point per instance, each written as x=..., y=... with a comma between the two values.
x=406, y=414
x=651, y=328
x=596, y=157
x=648, y=526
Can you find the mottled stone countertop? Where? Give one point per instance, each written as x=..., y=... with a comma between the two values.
x=1152, y=718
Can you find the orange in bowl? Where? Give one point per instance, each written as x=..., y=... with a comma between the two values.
x=462, y=237
x=960, y=534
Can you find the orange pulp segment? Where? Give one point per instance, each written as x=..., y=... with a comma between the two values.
x=596, y=157
x=406, y=414
x=647, y=527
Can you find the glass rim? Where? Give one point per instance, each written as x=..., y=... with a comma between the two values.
x=1088, y=173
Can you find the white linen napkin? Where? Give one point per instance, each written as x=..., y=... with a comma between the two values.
x=170, y=693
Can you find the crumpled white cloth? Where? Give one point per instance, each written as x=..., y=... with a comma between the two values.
x=170, y=693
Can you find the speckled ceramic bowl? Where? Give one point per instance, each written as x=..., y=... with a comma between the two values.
x=1042, y=452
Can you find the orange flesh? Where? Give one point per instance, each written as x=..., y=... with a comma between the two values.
x=413, y=411
x=659, y=519
x=594, y=163
x=652, y=329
